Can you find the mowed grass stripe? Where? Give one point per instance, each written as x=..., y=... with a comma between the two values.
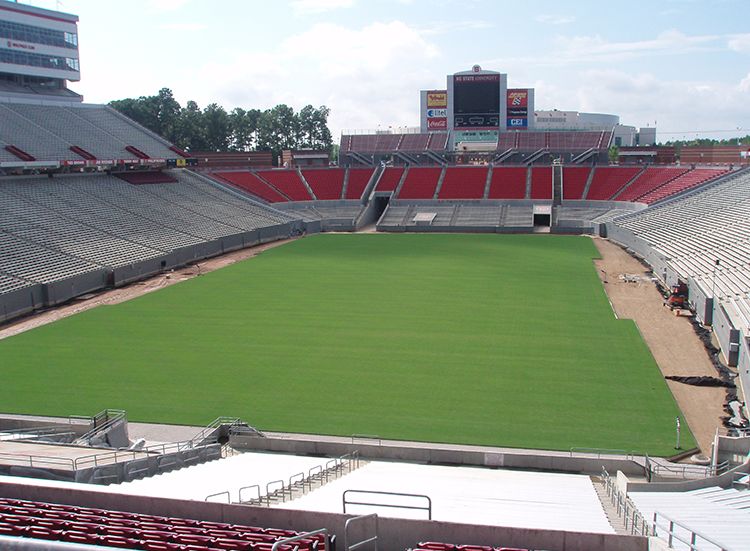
x=477, y=339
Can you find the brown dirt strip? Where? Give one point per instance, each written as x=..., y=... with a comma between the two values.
x=671, y=339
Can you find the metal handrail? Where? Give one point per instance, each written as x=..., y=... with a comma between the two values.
x=306, y=535
x=283, y=490
x=694, y=534
x=428, y=508
x=103, y=421
x=247, y=488
x=61, y=462
x=333, y=466
x=733, y=432
x=229, y=498
x=600, y=451
x=359, y=544
x=367, y=437
x=302, y=479
x=632, y=518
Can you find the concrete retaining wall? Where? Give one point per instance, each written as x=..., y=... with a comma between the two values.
x=457, y=229
x=727, y=335
x=393, y=534
x=442, y=456
x=701, y=302
x=743, y=366
x=63, y=290
x=20, y=302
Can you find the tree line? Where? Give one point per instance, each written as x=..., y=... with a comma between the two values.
x=213, y=129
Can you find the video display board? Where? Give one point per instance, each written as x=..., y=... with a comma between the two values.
x=476, y=101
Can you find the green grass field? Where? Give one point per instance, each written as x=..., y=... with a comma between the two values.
x=477, y=339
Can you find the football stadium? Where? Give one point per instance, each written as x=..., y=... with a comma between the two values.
x=477, y=334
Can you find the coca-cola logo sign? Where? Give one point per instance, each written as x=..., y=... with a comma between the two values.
x=437, y=124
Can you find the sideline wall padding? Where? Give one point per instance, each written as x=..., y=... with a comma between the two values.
x=20, y=302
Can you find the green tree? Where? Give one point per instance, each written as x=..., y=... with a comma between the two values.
x=213, y=129
x=614, y=154
x=191, y=128
x=217, y=128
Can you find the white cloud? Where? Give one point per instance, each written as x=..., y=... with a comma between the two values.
x=454, y=26
x=343, y=51
x=555, y=19
x=369, y=76
x=302, y=7
x=182, y=27
x=165, y=5
x=740, y=43
x=588, y=48
x=682, y=108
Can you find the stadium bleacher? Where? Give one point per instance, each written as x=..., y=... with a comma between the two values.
x=575, y=179
x=508, y=183
x=541, y=182
x=390, y=179
x=648, y=181
x=287, y=182
x=682, y=183
x=110, y=528
x=609, y=180
x=420, y=183
x=47, y=132
x=358, y=180
x=326, y=184
x=249, y=182
x=463, y=183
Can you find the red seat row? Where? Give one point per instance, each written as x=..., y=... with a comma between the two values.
x=21, y=518
x=439, y=546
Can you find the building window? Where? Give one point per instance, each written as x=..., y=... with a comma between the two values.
x=38, y=35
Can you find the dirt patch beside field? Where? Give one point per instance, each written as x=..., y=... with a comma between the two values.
x=671, y=339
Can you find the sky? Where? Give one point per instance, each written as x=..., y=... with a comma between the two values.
x=682, y=66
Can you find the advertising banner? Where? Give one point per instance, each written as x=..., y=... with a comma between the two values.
x=438, y=99
x=440, y=123
x=518, y=98
x=518, y=123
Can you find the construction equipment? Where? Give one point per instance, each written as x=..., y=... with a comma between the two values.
x=677, y=297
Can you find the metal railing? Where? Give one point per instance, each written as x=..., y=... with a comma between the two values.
x=427, y=508
x=299, y=481
x=235, y=426
x=684, y=470
x=36, y=433
x=373, y=437
x=631, y=517
x=208, y=498
x=675, y=530
x=349, y=546
x=103, y=421
x=733, y=432
x=300, y=537
x=630, y=456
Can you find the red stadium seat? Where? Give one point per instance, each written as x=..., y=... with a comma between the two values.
x=158, y=545
x=43, y=533
x=119, y=542
x=80, y=537
x=439, y=546
x=232, y=544
x=12, y=530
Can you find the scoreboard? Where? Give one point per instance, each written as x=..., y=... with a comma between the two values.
x=476, y=101
x=477, y=106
